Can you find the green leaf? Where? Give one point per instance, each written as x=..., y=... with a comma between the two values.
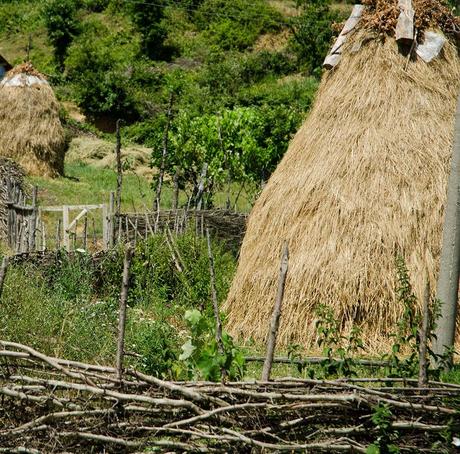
x=187, y=350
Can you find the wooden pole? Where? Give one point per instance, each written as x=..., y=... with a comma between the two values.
x=176, y=190
x=220, y=344
x=112, y=219
x=119, y=169
x=122, y=312
x=164, y=154
x=447, y=290
x=274, y=325
x=65, y=225
x=199, y=196
x=58, y=233
x=85, y=233
x=3, y=270
x=423, y=338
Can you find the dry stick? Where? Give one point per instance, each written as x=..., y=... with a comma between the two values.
x=176, y=190
x=122, y=316
x=3, y=269
x=422, y=374
x=275, y=321
x=220, y=344
x=119, y=169
x=43, y=236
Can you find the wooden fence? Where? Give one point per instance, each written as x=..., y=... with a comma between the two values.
x=29, y=230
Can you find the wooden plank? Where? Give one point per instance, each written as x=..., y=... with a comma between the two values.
x=72, y=207
x=405, y=25
x=335, y=54
x=74, y=222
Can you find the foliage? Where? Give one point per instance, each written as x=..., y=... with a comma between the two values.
x=100, y=66
x=238, y=25
x=339, y=350
x=201, y=355
x=382, y=419
x=406, y=336
x=312, y=33
x=62, y=25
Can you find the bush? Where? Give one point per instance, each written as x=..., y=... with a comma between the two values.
x=312, y=33
x=62, y=25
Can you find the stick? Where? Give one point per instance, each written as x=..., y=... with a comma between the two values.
x=422, y=373
x=220, y=344
x=274, y=325
x=119, y=169
x=3, y=270
x=122, y=316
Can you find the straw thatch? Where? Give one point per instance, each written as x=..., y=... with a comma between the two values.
x=30, y=130
x=364, y=179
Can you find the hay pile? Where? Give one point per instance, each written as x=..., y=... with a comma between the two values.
x=364, y=179
x=11, y=183
x=30, y=130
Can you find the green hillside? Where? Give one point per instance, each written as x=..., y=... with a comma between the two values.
x=230, y=81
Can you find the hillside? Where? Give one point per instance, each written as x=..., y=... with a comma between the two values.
x=229, y=83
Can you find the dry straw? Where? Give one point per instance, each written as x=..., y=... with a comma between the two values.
x=363, y=180
x=30, y=130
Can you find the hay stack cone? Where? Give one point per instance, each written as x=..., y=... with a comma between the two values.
x=30, y=130
x=363, y=180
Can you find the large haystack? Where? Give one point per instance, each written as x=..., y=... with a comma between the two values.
x=363, y=180
x=30, y=130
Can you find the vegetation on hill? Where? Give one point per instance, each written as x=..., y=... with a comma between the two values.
x=238, y=78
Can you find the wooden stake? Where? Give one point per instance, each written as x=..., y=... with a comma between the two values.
x=119, y=168
x=122, y=313
x=157, y=202
x=275, y=321
x=85, y=233
x=3, y=270
x=220, y=344
x=423, y=334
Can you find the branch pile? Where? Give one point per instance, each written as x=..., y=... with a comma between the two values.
x=52, y=405
x=11, y=184
x=224, y=224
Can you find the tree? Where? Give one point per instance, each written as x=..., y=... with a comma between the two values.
x=313, y=33
x=62, y=26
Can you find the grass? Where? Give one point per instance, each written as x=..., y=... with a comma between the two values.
x=85, y=184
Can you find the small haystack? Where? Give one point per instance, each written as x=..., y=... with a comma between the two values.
x=11, y=184
x=363, y=180
x=30, y=130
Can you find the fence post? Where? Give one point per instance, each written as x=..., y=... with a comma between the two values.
x=122, y=314
x=65, y=226
x=111, y=220
x=275, y=321
x=105, y=227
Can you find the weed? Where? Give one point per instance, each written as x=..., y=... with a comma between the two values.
x=200, y=354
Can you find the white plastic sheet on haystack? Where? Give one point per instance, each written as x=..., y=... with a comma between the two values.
x=431, y=46
x=22, y=80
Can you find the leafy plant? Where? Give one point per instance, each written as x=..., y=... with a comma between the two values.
x=382, y=419
x=201, y=355
x=62, y=25
x=339, y=350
